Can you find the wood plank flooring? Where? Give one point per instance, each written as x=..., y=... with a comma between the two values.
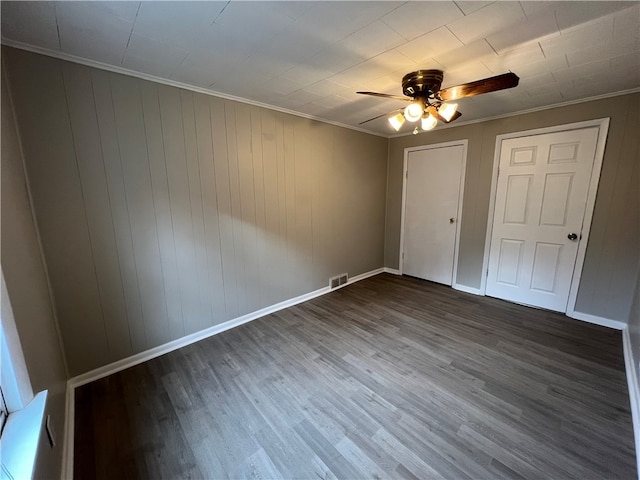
x=392, y=377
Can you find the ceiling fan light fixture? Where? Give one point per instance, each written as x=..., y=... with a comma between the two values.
x=422, y=90
x=396, y=121
x=447, y=110
x=428, y=121
x=413, y=112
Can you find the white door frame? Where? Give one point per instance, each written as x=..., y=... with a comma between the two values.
x=603, y=126
x=464, y=143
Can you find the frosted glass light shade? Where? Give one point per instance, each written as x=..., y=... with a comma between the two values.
x=447, y=110
x=428, y=122
x=413, y=112
x=396, y=121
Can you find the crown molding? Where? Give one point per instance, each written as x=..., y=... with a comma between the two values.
x=172, y=83
x=165, y=81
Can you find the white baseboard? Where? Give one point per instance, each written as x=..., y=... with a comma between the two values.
x=362, y=276
x=602, y=321
x=106, y=370
x=634, y=391
x=392, y=271
x=464, y=288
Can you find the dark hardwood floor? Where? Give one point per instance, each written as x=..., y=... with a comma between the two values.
x=392, y=377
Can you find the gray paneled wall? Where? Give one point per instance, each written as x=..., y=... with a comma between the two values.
x=612, y=258
x=164, y=212
x=29, y=298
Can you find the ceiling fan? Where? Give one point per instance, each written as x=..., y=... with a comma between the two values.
x=428, y=101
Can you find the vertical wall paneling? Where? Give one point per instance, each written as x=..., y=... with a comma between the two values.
x=273, y=275
x=179, y=195
x=285, y=271
x=162, y=205
x=262, y=239
x=337, y=191
x=236, y=205
x=365, y=199
x=471, y=229
x=289, y=168
x=195, y=200
x=303, y=191
x=60, y=212
x=321, y=204
x=86, y=139
x=604, y=289
x=118, y=203
x=225, y=214
x=25, y=278
x=164, y=212
x=214, y=291
x=247, y=201
x=137, y=179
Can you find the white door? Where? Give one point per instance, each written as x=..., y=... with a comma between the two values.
x=432, y=199
x=540, y=205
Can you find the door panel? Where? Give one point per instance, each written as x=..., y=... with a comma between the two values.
x=431, y=199
x=541, y=196
x=510, y=261
x=517, y=202
x=545, y=266
x=555, y=199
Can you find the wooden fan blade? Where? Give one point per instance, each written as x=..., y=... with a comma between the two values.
x=486, y=85
x=384, y=95
x=375, y=118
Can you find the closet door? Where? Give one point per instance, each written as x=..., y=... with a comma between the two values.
x=433, y=186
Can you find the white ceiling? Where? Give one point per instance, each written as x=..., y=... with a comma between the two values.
x=311, y=57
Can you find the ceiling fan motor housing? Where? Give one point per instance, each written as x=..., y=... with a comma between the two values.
x=422, y=83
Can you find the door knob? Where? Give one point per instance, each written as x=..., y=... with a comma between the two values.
x=452, y=220
x=572, y=236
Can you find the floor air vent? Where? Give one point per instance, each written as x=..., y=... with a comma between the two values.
x=338, y=280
